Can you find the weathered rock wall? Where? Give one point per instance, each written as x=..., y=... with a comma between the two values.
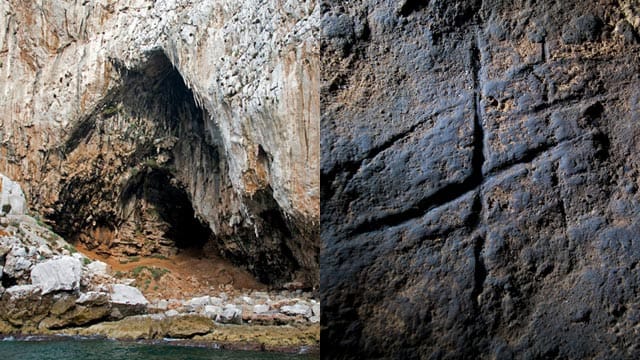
x=216, y=100
x=480, y=179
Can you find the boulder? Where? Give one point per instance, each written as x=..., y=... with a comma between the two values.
x=130, y=328
x=231, y=314
x=71, y=310
x=97, y=268
x=31, y=233
x=77, y=316
x=212, y=311
x=260, y=308
x=126, y=301
x=17, y=264
x=24, y=305
x=197, y=304
x=217, y=301
x=62, y=302
x=297, y=309
x=187, y=326
x=12, y=199
x=160, y=305
x=93, y=298
x=63, y=273
x=127, y=295
x=171, y=312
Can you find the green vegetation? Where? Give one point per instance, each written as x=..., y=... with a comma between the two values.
x=70, y=248
x=156, y=272
x=151, y=162
x=51, y=237
x=40, y=222
x=159, y=256
x=137, y=270
x=130, y=259
x=110, y=110
x=86, y=261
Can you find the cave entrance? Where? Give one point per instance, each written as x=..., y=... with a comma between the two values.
x=130, y=157
x=140, y=161
x=162, y=214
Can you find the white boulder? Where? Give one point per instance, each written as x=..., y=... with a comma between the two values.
x=212, y=311
x=231, y=314
x=12, y=200
x=63, y=273
x=93, y=298
x=127, y=295
x=97, y=268
x=297, y=309
x=22, y=291
x=171, y=313
x=197, y=304
x=17, y=263
x=260, y=308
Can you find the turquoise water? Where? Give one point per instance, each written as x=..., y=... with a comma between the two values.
x=114, y=350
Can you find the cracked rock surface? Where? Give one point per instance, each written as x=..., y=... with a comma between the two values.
x=480, y=179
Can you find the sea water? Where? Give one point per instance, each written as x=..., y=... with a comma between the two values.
x=114, y=350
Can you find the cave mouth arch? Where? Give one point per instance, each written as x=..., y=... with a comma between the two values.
x=170, y=206
x=128, y=197
x=145, y=173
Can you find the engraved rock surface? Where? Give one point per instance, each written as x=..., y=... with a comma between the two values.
x=479, y=179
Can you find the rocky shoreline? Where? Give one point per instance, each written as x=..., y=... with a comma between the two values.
x=49, y=288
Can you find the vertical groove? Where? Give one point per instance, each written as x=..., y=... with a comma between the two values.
x=480, y=270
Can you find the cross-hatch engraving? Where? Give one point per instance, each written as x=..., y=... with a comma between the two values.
x=476, y=179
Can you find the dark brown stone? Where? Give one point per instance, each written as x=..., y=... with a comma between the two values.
x=479, y=180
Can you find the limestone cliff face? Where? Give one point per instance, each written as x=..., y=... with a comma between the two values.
x=142, y=126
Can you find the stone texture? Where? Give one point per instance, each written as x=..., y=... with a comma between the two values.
x=188, y=326
x=63, y=273
x=127, y=295
x=296, y=338
x=24, y=305
x=479, y=179
x=260, y=308
x=97, y=268
x=197, y=304
x=18, y=262
x=140, y=127
x=93, y=298
x=230, y=314
x=12, y=199
x=297, y=309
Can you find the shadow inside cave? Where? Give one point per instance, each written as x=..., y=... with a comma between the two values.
x=138, y=146
x=149, y=166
